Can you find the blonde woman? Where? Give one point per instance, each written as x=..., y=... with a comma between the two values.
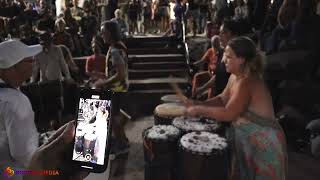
x=258, y=142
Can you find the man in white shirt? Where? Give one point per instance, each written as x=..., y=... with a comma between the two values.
x=18, y=133
x=50, y=62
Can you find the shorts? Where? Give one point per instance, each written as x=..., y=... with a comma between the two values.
x=118, y=101
x=163, y=11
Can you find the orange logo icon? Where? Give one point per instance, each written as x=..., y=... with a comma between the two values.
x=8, y=172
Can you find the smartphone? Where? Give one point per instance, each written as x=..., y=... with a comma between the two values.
x=93, y=130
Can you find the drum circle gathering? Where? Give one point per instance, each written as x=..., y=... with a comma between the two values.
x=184, y=148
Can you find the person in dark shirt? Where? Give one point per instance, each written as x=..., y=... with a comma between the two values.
x=27, y=35
x=194, y=14
x=112, y=6
x=133, y=12
x=88, y=25
x=46, y=22
x=61, y=37
x=228, y=30
x=29, y=15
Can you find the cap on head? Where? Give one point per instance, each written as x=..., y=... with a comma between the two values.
x=14, y=51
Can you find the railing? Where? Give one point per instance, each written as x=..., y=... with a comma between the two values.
x=186, y=49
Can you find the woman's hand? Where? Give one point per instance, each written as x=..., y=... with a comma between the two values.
x=100, y=83
x=190, y=102
x=192, y=111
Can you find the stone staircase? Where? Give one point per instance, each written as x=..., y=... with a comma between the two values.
x=154, y=63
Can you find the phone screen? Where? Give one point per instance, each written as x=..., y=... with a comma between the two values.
x=92, y=130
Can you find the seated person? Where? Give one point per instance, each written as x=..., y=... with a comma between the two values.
x=96, y=64
x=211, y=57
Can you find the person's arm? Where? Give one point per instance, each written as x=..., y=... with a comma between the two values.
x=206, y=86
x=68, y=57
x=236, y=105
x=119, y=64
x=221, y=99
x=63, y=64
x=23, y=138
x=204, y=58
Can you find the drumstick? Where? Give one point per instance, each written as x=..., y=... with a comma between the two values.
x=178, y=91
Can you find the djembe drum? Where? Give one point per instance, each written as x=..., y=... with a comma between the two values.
x=171, y=98
x=160, y=152
x=190, y=124
x=165, y=113
x=203, y=155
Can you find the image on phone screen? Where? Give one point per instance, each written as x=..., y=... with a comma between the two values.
x=92, y=130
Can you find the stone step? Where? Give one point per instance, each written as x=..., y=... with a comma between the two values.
x=158, y=65
x=156, y=58
x=157, y=83
x=155, y=73
x=143, y=39
x=161, y=50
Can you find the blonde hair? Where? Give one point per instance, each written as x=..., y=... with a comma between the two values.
x=245, y=48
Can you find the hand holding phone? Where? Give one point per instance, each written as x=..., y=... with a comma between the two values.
x=52, y=155
x=93, y=130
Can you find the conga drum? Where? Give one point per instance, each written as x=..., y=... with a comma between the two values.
x=160, y=152
x=165, y=113
x=203, y=155
x=190, y=124
x=171, y=98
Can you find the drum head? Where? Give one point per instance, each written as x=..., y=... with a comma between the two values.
x=162, y=132
x=170, y=110
x=171, y=98
x=203, y=143
x=189, y=124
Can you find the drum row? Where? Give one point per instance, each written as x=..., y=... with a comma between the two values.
x=173, y=153
x=184, y=148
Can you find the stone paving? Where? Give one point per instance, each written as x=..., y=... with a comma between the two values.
x=131, y=167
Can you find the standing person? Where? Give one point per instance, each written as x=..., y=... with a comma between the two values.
x=133, y=12
x=50, y=62
x=111, y=7
x=122, y=23
x=116, y=80
x=179, y=13
x=194, y=14
x=258, y=142
x=19, y=136
x=147, y=15
x=88, y=25
x=163, y=11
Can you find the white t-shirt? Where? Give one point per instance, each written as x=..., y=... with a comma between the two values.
x=18, y=134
